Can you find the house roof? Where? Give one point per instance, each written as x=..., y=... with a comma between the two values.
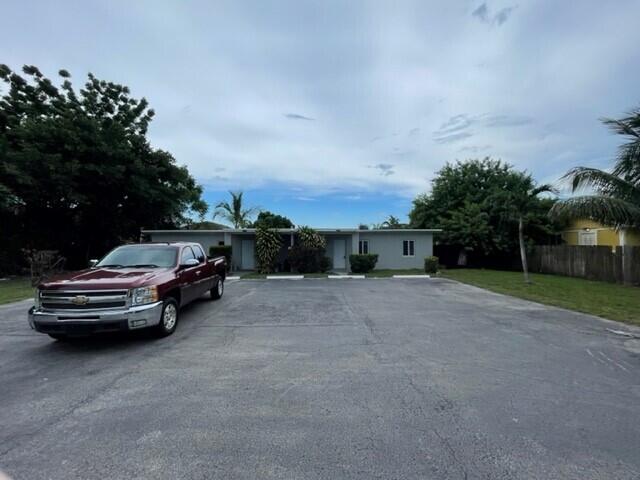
x=294, y=230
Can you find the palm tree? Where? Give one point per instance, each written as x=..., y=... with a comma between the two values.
x=616, y=196
x=523, y=203
x=391, y=222
x=234, y=212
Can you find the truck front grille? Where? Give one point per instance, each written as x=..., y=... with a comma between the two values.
x=75, y=300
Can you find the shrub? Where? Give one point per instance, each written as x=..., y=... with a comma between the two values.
x=325, y=264
x=311, y=239
x=305, y=260
x=268, y=243
x=308, y=254
x=430, y=264
x=363, y=263
x=225, y=251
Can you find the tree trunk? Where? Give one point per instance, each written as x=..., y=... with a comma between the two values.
x=523, y=251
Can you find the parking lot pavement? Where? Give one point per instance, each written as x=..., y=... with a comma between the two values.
x=320, y=379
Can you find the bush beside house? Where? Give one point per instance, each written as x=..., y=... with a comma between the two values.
x=225, y=251
x=308, y=256
x=268, y=243
x=304, y=259
x=363, y=263
x=325, y=264
x=431, y=264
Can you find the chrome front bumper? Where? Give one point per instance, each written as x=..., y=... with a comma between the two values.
x=93, y=321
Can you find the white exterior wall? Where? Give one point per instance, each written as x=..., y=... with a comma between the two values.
x=206, y=239
x=388, y=246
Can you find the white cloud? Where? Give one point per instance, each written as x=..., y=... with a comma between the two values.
x=312, y=95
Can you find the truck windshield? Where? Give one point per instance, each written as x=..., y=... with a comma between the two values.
x=137, y=256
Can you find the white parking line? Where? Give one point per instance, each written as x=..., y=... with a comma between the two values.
x=332, y=277
x=412, y=276
x=285, y=277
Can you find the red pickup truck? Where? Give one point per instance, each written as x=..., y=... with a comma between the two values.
x=132, y=287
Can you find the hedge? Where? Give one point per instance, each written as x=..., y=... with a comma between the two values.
x=225, y=251
x=363, y=263
x=430, y=264
x=303, y=259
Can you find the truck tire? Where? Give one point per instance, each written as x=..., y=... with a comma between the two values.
x=218, y=289
x=168, y=319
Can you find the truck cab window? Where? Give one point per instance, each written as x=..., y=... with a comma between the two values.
x=199, y=253
x=187, y=254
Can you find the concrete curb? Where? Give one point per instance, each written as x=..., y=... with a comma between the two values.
x=345, y=276
x=285, y=277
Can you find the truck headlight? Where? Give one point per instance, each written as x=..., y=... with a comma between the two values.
x=144, y=295
x=36, y=299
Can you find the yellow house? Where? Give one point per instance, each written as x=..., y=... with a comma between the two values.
x=588, y=232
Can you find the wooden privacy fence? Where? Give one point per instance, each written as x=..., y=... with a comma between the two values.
x=621, y=265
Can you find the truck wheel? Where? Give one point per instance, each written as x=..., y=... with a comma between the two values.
x=217, y=290
x=58, y=336
x=168, y=319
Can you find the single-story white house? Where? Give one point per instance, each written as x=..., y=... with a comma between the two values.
x=396, y=248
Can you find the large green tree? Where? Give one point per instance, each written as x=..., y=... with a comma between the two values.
x=478, y=204
x=77, y=172
x=615, y=195
x=267, y=219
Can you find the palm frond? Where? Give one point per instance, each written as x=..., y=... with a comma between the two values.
x=624, y=126
x=628, y=162
x=544, y=188
x=603, y=182
x=606, y=210
x=223, y=206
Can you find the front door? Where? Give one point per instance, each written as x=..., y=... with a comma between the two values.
x=247, y=261
x=339, y=254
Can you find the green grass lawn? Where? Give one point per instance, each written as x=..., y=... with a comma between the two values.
x=608, y=300
x=15, y=289
x=391, y=273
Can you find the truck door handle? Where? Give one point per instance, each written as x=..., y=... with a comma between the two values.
x=198, y=272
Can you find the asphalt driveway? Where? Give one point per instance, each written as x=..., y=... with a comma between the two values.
x=328, y=379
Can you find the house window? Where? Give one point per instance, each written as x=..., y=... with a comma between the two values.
x=587, y=238
x=408, y=248
x=363, y=247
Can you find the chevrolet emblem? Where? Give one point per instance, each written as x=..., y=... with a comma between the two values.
x=80, y=300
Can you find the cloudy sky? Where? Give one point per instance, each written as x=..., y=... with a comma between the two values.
x=336, y=113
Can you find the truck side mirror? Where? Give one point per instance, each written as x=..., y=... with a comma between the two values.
x=93, y=262
x=192, y=262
